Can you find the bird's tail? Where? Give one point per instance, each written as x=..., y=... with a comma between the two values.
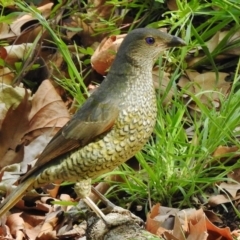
x=15, y=195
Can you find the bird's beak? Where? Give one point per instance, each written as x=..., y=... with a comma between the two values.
x=176, y=42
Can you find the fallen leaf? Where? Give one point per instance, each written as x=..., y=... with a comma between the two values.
x=198, y=231
x=235, y=175
x=209, y=89
x=215, y=232
x=218, y=199
x=152, y=225
x=178, y=230
x=231, y=188
x=14, y=127
x=10, y=96
x=49, y=225
x=48, y=109
x=15, y=223
x=223, y=150
x=105, y=53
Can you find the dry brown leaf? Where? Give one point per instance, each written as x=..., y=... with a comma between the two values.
x=172, y=5
x=9, y=176
x=218, y=199
x=48, y=109
x=5, y=232
x=195, y=216
x=47, y=115
x=212, y=45
x=216, y=232
x=105, y=53
x=16, y=29
x=189, y=224
x=14, y=126
x=178, y=230
x=32, y=224
x=163, y=231
x=16, y=26
x=229, y=156
x=151, y=224
x=207, y=87
x=198, y=231
x=231, y=51
x=209, y=82
x=235, y=174
x=54, y=191
x=191, y=74
x=236, y=233
x=36, y=205
x=6, y=31
x=6, y=75
x=212, y=216
x=169, y=236
x=231, y=188
x=100, y=8
x=164, y=217
x=48, y=228
x=3, y=52
x=17, y=52
x=10, y=97
x=223, y=150
x=15, y=223
x=34, y=149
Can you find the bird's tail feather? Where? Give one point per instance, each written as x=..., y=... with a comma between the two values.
x=15, y=195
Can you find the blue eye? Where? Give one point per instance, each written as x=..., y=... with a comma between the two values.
x=150, y=40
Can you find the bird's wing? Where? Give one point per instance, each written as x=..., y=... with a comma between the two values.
x=93, y=119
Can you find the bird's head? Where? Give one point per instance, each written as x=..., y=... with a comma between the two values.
x=142, y=46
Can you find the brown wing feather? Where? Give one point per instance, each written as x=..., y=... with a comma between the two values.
x=92, y=120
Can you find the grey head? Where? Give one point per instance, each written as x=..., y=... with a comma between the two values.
x=145, y=45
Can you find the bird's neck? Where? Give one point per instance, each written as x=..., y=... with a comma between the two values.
x=131, y=72
x=132, y=80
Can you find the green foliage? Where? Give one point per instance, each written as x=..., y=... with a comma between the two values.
x=64, y=203
x=5, y=3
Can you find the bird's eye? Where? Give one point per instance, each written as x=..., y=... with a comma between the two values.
x=150, y=40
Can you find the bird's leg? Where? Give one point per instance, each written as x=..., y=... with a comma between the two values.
x=115, y=209
x=108, y=203
x=83, y=189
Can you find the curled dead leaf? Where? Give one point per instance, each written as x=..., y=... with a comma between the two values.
x=105, y=53
x=208, y=87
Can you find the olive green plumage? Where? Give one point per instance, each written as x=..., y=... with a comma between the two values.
x=112, y=125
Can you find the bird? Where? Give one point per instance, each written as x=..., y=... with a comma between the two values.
x=111, y=126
